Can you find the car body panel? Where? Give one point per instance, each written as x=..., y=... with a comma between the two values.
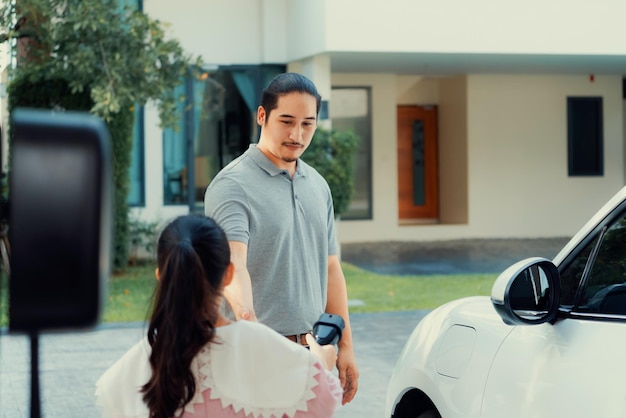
x=424, y=347
x=573, y=368
x=467, y=362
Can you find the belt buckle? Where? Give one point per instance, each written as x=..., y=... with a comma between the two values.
x=299, y=339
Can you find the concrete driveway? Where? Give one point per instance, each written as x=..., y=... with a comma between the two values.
x=70, y=363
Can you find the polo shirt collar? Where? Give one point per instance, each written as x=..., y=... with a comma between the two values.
x=266, y=164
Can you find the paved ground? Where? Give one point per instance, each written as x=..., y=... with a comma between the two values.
x=70, y=363
x=448, y=257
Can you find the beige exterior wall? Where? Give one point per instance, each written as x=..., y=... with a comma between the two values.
x=502, y=138
x=226, y=32
x=502, y=156
x=271, y=31
x=495, y=26
x=453, y=151
x=384, y=176
x=519, y=185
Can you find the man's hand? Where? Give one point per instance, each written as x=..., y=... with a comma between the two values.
x=326, y=353
x=248, y=316
x=348, y=374
x=240, y=310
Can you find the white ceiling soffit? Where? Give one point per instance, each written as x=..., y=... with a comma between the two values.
x=454, y=64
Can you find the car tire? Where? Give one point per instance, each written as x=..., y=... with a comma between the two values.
x=429, y=414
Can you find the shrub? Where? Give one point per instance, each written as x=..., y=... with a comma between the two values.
x=332, y=154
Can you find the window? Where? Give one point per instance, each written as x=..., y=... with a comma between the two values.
x=217, y=123
x=604, y=288
x=571, y=276
x=136, y=194
x=584, y=136
x=350, y=109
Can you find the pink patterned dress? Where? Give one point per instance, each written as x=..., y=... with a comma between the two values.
x=250, y=372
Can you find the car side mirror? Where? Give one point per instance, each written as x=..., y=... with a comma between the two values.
x=527, y=293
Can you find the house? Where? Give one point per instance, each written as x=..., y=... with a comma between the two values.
x=482, y=119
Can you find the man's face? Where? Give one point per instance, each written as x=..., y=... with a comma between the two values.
x=287, y=131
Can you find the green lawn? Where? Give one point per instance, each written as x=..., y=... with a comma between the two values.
x=401, y=293
x=129, y=293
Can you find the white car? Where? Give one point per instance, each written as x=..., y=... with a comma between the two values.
x=551, y=341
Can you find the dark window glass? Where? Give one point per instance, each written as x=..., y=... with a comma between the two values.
x=136, y=191
x=584, y=136
x=217, y=123
x=571, y=276
x=136, y=194
x=604, y=289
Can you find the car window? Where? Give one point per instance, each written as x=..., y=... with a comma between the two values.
x=573, y=273
x=604, y=290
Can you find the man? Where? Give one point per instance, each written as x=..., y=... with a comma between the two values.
x=278, y=215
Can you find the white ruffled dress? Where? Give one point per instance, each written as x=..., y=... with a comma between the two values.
x=250, y=372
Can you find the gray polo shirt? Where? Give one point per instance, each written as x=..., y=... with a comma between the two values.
x=289, y=228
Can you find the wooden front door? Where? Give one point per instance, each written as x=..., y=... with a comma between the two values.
x=418, y=188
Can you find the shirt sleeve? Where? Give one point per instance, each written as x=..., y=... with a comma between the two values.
x=227, y=203
x=333, y=247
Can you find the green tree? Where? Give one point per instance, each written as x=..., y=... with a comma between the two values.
x=116, y=55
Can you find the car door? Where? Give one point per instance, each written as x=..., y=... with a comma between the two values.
x=576, y=366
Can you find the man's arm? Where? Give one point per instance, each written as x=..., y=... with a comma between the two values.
x=239, y=292
x=337, y=303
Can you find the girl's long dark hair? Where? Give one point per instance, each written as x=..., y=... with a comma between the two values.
x=192, y=256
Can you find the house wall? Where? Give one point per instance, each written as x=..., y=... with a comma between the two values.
x=384, y=176
x=453, y=151
x=517, y=135
x=503, y=156
x=227, y=32
x=502, y=138
x=495, y=26
x=277, y=31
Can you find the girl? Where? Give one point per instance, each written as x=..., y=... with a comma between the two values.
x=197, y=363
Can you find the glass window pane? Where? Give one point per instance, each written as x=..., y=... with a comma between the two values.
x=584, y=136
x=605, y=288
x=349, y=109
x=175, y=156
x=573, y=273
x=225, y=107
x=217, y=123
x=136, y=195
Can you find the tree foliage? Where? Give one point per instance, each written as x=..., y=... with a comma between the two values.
x=119, y=55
